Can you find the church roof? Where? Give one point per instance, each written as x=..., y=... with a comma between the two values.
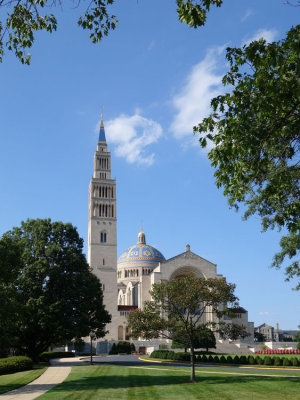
x=141, y=252
x=102, y=137
x=238, y=310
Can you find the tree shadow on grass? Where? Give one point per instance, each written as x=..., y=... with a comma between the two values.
x=138, y=381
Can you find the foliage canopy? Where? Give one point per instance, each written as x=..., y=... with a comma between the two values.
x=54, y=297
x=255, y=133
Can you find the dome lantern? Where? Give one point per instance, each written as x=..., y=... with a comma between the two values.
x=141, y=238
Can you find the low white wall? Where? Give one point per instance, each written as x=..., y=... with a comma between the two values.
x=281, y=345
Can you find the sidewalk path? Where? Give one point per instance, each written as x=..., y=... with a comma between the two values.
x=54, y=375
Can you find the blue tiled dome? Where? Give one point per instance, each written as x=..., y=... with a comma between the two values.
x=141, y=252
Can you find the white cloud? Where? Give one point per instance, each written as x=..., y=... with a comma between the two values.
x=131, y=135
x=192, y=103
x=247, y=14
x=267, y=34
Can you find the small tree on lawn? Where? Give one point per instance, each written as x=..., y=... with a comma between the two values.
x=181, y=306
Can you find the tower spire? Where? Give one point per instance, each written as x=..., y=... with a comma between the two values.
x=102, y=137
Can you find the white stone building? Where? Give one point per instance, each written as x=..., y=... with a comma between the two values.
x=128, y=280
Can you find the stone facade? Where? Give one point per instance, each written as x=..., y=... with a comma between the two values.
x=128, y=280
x=270, y=334
x=102, y=228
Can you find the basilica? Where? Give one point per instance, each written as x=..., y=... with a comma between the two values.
x=128, y=279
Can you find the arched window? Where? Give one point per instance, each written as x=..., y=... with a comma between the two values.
x=103, y=237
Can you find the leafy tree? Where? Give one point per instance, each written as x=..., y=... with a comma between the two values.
x=259, y=337
x=233, y=331
x=255, y=133
x=204, y=339
x=57, y=296
x=181, y=306
x=25, y=18
x=194, y=12
x=207, y=339
x=9, y=254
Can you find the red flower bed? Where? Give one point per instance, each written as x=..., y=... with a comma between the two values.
x=278, y=351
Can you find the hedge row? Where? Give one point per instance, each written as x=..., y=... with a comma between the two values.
x=122, y=347
x=14, y=364
x=230, y=359
x=47, y=355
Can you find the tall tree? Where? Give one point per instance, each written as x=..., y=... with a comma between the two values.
x=181, y=306
x=9, y=256
x=57, y=296
x=255, y=133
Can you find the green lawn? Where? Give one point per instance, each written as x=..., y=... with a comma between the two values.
x=13, y=381
x=114, y=382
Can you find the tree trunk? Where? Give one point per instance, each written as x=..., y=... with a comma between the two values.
x=192, y=378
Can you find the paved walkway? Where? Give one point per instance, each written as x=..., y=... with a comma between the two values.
x=54, y=375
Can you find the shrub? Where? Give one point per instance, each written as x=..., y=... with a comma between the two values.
x=123, y=347
x=259, y=360
x=164, y=354
x=154, y=354
x=278, y=361
x=14, y=364
x=132, y=348
x=295, y=362
x=113, y=349
x=47, y=355
x=182, y=356
x=268, y=360
x=252, y=360
x=243, y=359
x=210, y=358
x=215, y=359
x=229, y=359
x=236, y=359
x=222, y=360
x=286, y=362
x=177, y=356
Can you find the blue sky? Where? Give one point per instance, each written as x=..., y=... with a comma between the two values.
x=155, y=78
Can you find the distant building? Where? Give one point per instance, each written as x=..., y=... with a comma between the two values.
x=272, y=334
x=268, y=332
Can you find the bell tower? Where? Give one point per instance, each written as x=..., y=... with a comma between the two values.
x=102, y=229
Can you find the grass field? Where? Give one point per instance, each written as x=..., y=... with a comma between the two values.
x=113, y=382
x=13, y=381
